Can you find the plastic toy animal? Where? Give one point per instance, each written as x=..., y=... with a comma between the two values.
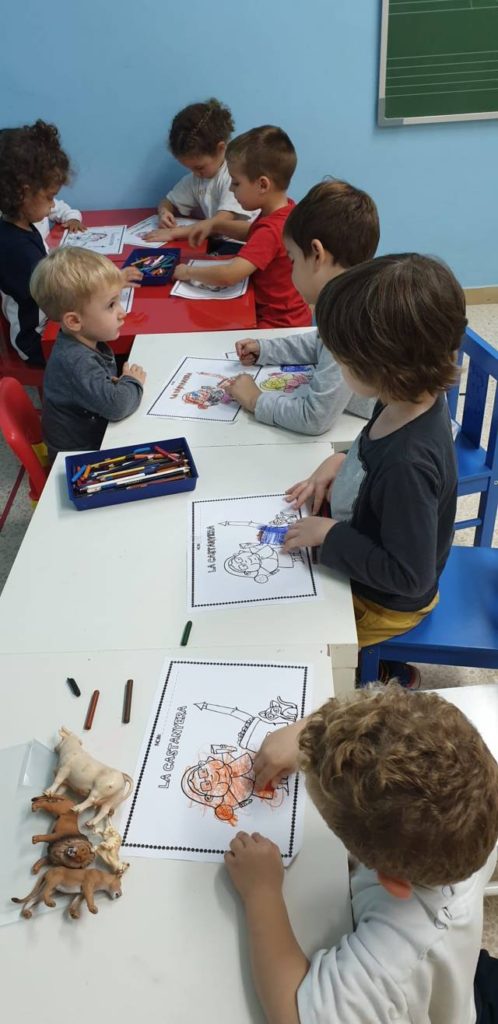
x=108, y=849
x=66, y=844
x=102, y=787
x=84, y=882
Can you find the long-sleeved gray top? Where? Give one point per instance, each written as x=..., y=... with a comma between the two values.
x=80, y=396
x=313, y=407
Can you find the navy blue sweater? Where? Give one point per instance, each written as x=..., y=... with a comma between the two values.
x=20, y=252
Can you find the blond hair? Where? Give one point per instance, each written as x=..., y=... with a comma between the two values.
x=405, y=781
x=68, y=278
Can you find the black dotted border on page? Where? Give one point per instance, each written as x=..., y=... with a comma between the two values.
x=228, y=664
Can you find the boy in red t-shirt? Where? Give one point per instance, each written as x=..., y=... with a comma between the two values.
x=261, y=163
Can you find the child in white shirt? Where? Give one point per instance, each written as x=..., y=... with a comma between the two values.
x=198, y=139
x=410, y=787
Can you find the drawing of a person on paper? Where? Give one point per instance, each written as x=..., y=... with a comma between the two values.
x=205, y=397
x=258, y=561
x=255, y=728
x=225, y=782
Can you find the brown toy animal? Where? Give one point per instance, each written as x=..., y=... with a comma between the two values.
x=68, y=846
x=84, y=882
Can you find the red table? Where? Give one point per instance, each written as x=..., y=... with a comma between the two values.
x=154, y=311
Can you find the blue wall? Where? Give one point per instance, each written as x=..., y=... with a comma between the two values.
x=112, y=74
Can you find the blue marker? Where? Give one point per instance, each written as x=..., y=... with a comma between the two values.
x=147, y=448
x=78, y=474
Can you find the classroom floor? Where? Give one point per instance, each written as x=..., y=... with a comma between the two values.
x=16, y=511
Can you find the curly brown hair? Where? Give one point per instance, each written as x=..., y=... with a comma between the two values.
x=30, y=156
x=198, y=129
x=405, y=781
x=265, y=150
x=397, y=322
x=343, y=218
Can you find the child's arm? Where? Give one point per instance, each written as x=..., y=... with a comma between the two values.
x=166, y=214
x=223, y=223
x=114, y=399
x=278, y=962
x=223, y=274
x=62, y=213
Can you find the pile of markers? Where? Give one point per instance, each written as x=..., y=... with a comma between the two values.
x=139, y=468
x=155, y=266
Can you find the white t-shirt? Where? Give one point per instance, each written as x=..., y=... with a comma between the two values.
x=60, y=213
x=411, y=961
x=203, y=197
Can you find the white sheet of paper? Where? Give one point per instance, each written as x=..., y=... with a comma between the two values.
x=195, y=774
x=135, y=232
x=194, y=391
x=107, y=240
x=126, y=298
x=187, y=290
x=227, y=564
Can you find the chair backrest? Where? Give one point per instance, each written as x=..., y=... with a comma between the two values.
x=20, y=424
x=483, y=365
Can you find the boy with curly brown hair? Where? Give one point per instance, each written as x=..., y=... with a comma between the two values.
x=410, y=787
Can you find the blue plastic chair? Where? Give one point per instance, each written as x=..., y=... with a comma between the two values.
x=462, y=629
x=478, y=466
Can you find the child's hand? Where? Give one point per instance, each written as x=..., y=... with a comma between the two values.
x=131, y=276
x=160, y=235
x=307, y=533
x=243, y=390
x=181, y=272
x=248, y=351
x=166, y=217
x=317, y=485
x=254, y=863
x=135, y=371
x=199, y=232
x=277, y=756
x=73, y=225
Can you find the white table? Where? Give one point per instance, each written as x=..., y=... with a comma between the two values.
x=161, y=354
x=116, y=577
x=174, y=948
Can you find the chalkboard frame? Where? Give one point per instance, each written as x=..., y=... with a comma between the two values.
x=398, y=122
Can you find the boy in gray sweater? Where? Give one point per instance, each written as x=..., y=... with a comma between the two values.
x=81, y=388
x=333, y=228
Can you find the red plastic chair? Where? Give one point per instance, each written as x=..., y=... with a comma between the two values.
x=20, y=424
x=11, y=365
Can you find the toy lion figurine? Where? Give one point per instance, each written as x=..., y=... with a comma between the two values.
x=83, y=882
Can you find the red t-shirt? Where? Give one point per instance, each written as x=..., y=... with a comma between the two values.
x=278, y=303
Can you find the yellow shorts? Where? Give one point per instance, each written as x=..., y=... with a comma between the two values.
x=375, y=623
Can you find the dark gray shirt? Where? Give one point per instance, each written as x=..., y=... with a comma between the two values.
x=80, y=396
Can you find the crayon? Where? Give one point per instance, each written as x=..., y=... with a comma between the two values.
x=73, y=686
x=185, y=634
x=91, y=709
x=127, y=701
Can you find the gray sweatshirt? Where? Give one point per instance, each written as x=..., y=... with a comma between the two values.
x=313, y=407
x=80, y=397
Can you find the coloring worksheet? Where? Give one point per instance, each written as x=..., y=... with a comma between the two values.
x=230, y=563
x=135, y=232
x=195, y=773
x=108, y=241
x=195, y=391
x=126, y=298
x=196, y=290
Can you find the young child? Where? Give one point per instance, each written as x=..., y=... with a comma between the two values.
x=411, y=789
x=261, y=164
x=81, y=389
x=33, y=166
x=394, y=326
x=198, y=139
x=333, y=228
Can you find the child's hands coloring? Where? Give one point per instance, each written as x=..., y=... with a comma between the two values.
x=73, y=225
x=135, y=371
x=307, y=533
x=182, y=272
x=159, y=235
x=277, y=755
x=166, y=218
x=243, y=390
x=248, y=351
x=317, y=485
x=254, y=863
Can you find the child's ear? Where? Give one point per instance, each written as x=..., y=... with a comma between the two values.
x=221, y=149
x=398, y=888
x=71, y=322
x=318, y=252
x=264, y=183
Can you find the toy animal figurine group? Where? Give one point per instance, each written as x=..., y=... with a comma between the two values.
x=69, y=851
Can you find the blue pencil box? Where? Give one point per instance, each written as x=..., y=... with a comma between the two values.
x=157, y=265
x=118, y=496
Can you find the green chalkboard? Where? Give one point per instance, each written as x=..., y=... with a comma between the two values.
x=438, y=61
